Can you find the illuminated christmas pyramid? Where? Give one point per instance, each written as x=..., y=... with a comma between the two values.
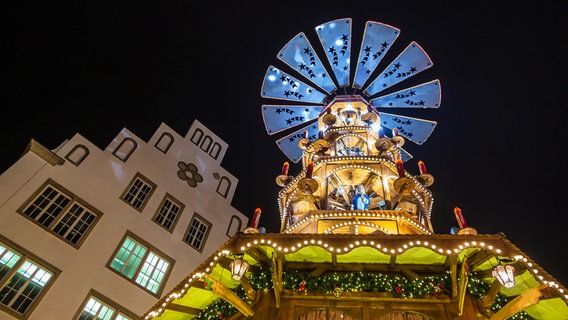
x=356, y=239
x=353, y=180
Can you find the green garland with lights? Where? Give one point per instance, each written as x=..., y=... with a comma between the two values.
x=337, y=283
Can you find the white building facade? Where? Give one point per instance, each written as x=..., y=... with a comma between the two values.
x=87, y=233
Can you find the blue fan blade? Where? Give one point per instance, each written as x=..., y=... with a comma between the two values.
x=404, y=155
x=299, y=54
x=377, y=40
x=413, y=129
x=426, y=95
x=409, y=63
x=279, y=117
x=279, y=85
x=335, y=38
x=289, y=143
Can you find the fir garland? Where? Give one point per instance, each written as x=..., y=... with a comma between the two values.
x=337, y=283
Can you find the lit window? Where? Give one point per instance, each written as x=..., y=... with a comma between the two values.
x=197, y=232
x=141, y=264
x=56, y=210
x=22, y=280
x=168, y=212
x=138, y=192
x=99, y=307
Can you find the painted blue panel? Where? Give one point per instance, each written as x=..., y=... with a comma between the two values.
x=335, y=38
x=410, y=62
x=413, y=129
x=404, y=155
x=377, y=40
x=281, y=117
x=289, y=143
x=279, y=85
x=299, y=54
x=426, y=95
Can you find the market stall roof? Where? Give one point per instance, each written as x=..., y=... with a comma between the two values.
x=402, y=254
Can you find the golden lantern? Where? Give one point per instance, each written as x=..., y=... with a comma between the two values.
x=238, y=267
x=505, y=274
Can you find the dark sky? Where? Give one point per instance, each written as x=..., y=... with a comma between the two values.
x=496, y=151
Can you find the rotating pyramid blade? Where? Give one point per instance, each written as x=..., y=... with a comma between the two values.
x=377, y=40
x=279, y=85
x=426, y=95
x=281, y=117
x=335, y=38
x=299, y=54
x=289, y=143
x=413, y=129
x=404, y=155
x=409, y=63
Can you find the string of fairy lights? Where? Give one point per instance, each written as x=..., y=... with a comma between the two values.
x=370, y=214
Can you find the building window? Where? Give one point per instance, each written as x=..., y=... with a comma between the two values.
x=234, y=226
x=77, y=154
x=138, y=192
x=56, y=210
x=99, y=307
x=165, y=142
x=23, y=281
x=168, y=213
x=197, y=233
x=196, y=137
x=215, y=150
x=206, y=143
x=140, y=263
x=125, y=149
x=224, y=186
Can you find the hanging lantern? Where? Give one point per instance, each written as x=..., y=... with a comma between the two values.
x=505, y=274
x=238, y=268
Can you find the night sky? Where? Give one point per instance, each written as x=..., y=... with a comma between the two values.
x=96, y=68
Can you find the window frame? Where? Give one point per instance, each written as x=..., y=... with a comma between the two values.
x=174, y=201
x=141, y=264
x=118, y=309
x=228, y=185
x=203, y=221
x=61, y=217
x=147, y=182
x=26, y=256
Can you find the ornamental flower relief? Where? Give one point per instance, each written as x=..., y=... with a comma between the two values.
x=189, y=173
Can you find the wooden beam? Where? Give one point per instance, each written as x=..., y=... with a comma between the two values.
x=228, y=295
x=487, y=300
x=183, y=309
x=452, y=262
x=277, y=286
x=392, y=261
x=318, y=271
x=408, y=273
x=479, y=257
x=250, y=292
x=418, y=268
x=462, y=286
x=279, y=261
x=259, y=255
x=521, y=302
